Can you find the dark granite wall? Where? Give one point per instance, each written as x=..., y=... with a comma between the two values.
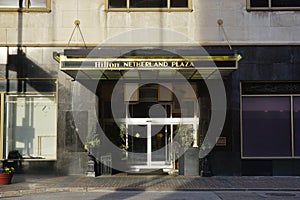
x=259, y=63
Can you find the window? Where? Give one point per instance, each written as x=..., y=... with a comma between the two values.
x=270, y=117
x=148, y=5
x=266, y=126
x=25, y=5
x=31, y=126
x=273, y=5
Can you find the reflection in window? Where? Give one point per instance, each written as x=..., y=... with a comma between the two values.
x=11, y=4
x=31, y=126
x=266, y=124
x=37, y=3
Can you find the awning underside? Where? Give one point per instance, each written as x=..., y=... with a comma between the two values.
x=147, y=74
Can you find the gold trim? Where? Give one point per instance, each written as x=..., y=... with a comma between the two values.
x=236, y=57
x=248, y=5
x=169, y=4
x=202, y=69
x=190, y=5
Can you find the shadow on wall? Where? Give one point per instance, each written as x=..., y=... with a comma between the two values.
x=21, y=67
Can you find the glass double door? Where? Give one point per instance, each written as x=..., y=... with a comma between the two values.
x=149, y=145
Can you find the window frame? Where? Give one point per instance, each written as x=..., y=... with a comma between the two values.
x=27, y=8
x=269, y=8
x=168, y=9
x=292, y=120
x=3, y=116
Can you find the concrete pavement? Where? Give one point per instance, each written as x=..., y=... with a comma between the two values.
x=29, y=184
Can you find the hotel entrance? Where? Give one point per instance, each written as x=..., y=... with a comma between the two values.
x=153, y=93
x=152, y=125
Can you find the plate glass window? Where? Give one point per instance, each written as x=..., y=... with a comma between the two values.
x=273, y=4
x=117, y=3
x=31, y=126
x=28, y=5
x=266, y=124
x=11, y=4
x=148, y=4
x=37, y=4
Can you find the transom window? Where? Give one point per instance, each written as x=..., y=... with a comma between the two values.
x=25, y=5
x=148, y=5
x=273, y=5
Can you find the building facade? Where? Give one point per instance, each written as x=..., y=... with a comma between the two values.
x=126, y=78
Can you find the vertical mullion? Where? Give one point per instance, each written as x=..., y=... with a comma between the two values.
x=48, y=4
x=241, y=120
x=169, y=4
x=292, y=127
x=56, y=120
x=27, y=4
x=106, y=4
x=1, y=125
x=149, y=144
x=190, y=4
x=127, y=4
x=270, y=3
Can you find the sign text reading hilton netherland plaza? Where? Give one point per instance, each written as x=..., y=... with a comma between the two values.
x=143, y=64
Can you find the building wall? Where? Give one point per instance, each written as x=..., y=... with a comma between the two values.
x=200, y=25
x=38, y=31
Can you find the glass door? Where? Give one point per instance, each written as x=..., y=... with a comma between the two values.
x=160, y=145
x=149, y=145
x=138, y=144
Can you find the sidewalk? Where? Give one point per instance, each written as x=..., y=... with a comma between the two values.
x=28, y=184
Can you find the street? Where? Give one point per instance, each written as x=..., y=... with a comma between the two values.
x=159, y=195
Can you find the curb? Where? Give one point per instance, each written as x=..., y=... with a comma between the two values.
x=97, y=189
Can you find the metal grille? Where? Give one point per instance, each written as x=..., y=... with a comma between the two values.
x=106, y=163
